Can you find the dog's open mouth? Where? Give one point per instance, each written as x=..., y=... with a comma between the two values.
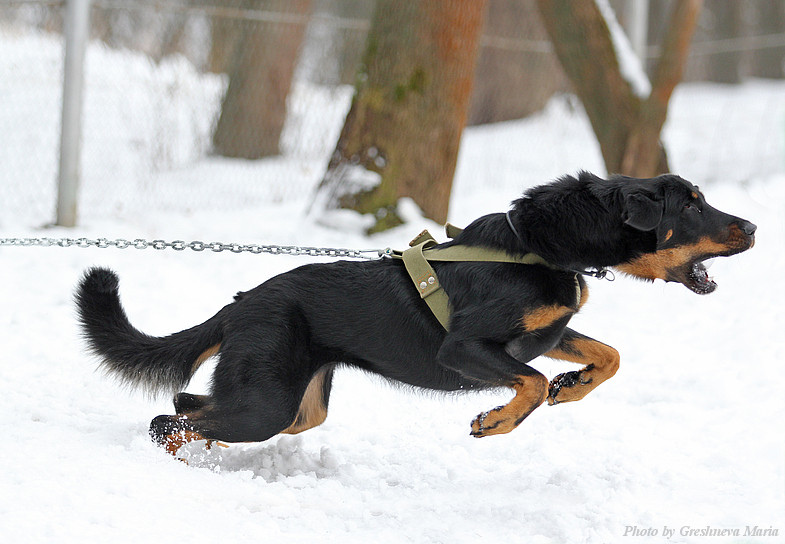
x=697, y=278
x=695, y=275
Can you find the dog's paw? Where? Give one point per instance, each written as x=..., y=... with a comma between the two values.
x=567, y=387
x=492, y=422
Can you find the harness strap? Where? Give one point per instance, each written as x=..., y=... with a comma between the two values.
x=416, y=260
x=426, y=281
x=481, y=254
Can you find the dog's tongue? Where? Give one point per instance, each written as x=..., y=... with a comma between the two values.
x=700, y=282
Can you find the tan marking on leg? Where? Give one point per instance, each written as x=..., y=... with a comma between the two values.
x=601, y=360
x=312, y=410
x=530, y=392
x=206, y=354
x=541, y=317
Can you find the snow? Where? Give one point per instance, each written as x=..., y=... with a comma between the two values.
x=630, y=65
x=687, y=434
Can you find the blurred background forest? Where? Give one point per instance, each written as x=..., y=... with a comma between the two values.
x=273, y=80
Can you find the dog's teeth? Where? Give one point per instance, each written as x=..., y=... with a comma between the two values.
x=708, y=262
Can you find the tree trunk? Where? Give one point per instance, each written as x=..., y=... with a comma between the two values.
x=770, y=62
x=583, y=44
x=254, y=108
x=626, y=127
x=644, y=155
x=402, y=133
x=225, y=34
x=724, y=67
x=513, y=78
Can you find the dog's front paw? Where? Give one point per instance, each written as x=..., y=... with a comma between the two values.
x=569, y=386
x=491, y=422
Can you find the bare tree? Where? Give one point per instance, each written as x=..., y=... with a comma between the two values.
x=728, y=17
x=627, y=127
x=402, y=133
x=644, y=153
x=254, y=108
x=516, y=70
x=770, y=61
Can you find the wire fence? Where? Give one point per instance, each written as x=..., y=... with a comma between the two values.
x=157, y=74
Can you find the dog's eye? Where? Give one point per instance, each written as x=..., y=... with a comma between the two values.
x=692, y=206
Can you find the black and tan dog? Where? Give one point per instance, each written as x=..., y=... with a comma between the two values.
x=279, y=343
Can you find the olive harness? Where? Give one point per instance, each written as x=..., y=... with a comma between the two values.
x=421, y=252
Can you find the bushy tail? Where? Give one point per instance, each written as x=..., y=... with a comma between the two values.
x=158, y=365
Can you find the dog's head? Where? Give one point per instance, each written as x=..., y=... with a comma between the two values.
x=688, y=231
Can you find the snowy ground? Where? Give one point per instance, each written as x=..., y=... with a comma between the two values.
x=688, y=434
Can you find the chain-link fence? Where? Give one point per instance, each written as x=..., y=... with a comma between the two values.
x=163, y=78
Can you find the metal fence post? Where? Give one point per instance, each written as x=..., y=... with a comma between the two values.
x=76, y=29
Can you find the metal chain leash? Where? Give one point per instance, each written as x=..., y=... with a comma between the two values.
x=180, y=245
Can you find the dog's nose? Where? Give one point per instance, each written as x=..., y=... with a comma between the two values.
x=747, y=227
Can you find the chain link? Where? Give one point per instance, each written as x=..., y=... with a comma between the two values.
x=216, y=247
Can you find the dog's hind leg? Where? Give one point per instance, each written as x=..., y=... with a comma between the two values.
x=601, y=362
x=189, y=405
x=312, y=412
x=186, y=402
x=313, y=407
x=257, y=391
x=252, y=418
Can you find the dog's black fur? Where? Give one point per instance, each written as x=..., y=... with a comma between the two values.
x=279, y=342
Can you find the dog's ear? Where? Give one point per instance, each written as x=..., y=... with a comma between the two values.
x=642, y=211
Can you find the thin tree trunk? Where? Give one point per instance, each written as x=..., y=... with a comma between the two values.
x=254, y=108
x=724, y=67
x=512, y=82
x=583, y=44
x=770, y=62
x=225, y=34
x=402, y=133
x=644, y=155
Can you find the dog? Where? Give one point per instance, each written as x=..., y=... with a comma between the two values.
x=280, y=343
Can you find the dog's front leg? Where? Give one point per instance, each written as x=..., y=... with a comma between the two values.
x=486, y=361
x=530, y=392
x=601, y=360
